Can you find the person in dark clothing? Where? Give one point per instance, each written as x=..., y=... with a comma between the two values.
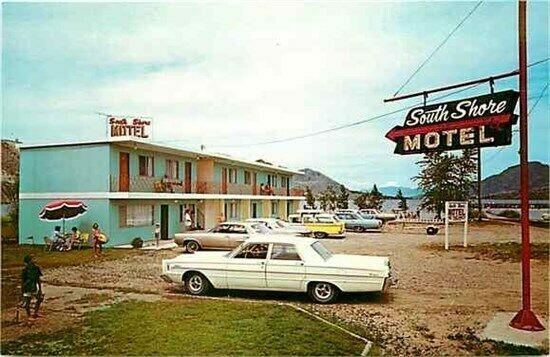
x=31, y=285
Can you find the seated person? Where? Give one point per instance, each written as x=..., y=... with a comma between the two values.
x=74, y=238
x=58, y=239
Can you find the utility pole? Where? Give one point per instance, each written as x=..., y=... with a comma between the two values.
x=525, y=319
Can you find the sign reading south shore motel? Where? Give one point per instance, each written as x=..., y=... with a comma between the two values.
x=128, y=127
x=481, y=121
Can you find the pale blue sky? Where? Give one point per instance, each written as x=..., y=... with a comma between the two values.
x=223, y=74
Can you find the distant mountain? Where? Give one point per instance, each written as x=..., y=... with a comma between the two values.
x=506, y=183
x=407, y=191
x=316, y=180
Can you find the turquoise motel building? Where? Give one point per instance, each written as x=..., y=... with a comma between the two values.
x=129, y=185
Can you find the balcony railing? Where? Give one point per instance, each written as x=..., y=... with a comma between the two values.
x=165, y=185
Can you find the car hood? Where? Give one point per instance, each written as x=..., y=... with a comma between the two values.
x=367, y=262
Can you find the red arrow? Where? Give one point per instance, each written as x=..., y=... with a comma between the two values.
x=493, y=120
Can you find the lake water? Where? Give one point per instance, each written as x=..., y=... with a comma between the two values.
x=413, y=203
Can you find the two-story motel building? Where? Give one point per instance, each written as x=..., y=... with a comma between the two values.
x=129, y=185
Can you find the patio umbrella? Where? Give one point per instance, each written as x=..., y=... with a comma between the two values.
x=62, y=210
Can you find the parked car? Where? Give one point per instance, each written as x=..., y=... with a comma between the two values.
x=321, y=225
x=280, y=263
x=383, y=216
x=355, y=222
x=281, y=227
x=225, y=236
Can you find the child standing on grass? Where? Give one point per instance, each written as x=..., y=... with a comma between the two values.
x=96, y=238
x=31, y=286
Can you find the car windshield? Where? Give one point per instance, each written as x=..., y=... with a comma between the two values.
x=260, y=228
x=355, y=216
x=321, y=250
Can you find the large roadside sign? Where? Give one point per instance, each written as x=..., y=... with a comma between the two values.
x=481, y=121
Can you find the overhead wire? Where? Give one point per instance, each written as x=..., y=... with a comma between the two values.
x=540, y=96
x=470, y=13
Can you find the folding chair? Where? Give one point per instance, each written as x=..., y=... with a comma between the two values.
x=48, y=244
x=84, y=240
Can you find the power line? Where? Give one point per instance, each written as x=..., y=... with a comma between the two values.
x=352, y=124
x=517, y=130
x=438, y=47
x=348, y=125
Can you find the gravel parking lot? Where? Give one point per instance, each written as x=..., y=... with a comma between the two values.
x=442, y=299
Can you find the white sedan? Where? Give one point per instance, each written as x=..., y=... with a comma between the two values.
x=279, y=263
x=281, y=227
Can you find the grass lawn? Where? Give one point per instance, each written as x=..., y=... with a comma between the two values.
x=192, y=327
x=12, y=264
x=510, y=251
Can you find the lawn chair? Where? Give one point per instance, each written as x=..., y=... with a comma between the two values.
x=48, y=244
x=84, y=240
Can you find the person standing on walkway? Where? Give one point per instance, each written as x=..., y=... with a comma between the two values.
x=31, y=286
x=188, y=220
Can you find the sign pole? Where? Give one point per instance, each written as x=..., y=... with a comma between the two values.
x=446, y=225
x=465, y=240
x=525, y=319
x=479, y=204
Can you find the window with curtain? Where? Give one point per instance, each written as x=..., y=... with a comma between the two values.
x=172, y=169
x=136, y=215
x=146, y=166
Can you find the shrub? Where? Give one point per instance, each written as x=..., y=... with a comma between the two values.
x=509, y=213
x=137, y=242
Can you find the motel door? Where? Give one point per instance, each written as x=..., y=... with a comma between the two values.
x=124, y=172
x=254, y=185
x=254, y=212
x=164, y=222
x=224, y=180
x=187, y=177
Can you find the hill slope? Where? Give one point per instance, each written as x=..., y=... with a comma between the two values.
x=506, y=183
x=316, y=180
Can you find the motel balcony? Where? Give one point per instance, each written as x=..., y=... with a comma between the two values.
x=166, y=185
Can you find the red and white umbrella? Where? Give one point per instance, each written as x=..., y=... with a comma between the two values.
x=62, y=210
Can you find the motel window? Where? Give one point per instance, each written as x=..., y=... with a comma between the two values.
x=274, y=208
x=232, y=175
x=172, y=169
x=136, y=215
x=284, y=182
x=146, y=166
x=247, y=179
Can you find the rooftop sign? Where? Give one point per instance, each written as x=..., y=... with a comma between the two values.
x=474, y=122
x=119, y=127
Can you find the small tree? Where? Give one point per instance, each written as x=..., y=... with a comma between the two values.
x=361, y=200
x=375, y=198
x=310, y=199
x=328, y=199
x=402, y=204
x=343, y=198
x=445, y=177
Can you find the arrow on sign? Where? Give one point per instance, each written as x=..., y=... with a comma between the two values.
x=493, y=120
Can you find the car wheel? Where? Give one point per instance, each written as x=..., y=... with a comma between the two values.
x=431, y=231
x=197, y=284
x=320, y=234
x=192, y=246
x=359, y=229
x=323, y=293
